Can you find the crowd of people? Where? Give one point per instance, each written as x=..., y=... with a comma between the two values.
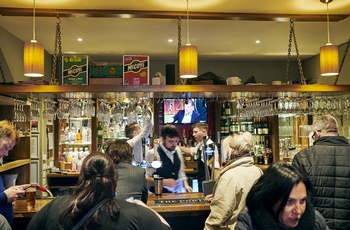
x=312, y=192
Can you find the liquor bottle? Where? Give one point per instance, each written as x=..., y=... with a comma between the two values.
x=223, y=113
x=78, y=136
x=190, y=139
x=184, y=139
x=72, y=135
x=232, y=126
x=265, y=127
x=236, y=127
x=99, y=137
x=227, y=109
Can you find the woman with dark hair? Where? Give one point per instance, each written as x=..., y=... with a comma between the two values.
x=131, y=179
x=279, y=200
x=96, y=185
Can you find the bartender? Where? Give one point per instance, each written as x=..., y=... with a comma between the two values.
x=172, y=170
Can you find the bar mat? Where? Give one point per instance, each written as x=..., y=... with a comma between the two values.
x=181, y=201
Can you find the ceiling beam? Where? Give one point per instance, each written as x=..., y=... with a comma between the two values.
x=7, y=11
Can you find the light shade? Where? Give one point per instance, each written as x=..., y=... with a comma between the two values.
x=188, y=61
x=33, y=59
x=329, y=60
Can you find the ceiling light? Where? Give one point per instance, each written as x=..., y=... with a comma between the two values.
x=329, y=57
x=188, y=57
x=257, y=41
x=33, y=56
x=170, y=40
x=79, y=39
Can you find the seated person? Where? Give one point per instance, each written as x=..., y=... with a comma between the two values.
x=131, y=179
x=278, y=200
x=96, y=184
x=188, y=115
x=172, y=169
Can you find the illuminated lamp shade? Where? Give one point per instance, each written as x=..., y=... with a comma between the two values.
x=329, y=60
x=188, y=61
x=33, y=59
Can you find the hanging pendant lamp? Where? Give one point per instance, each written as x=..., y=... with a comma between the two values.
x=329, y=57
x=33, y=58
x=188, y=57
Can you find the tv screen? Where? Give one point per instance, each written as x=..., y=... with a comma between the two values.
x=184, y=111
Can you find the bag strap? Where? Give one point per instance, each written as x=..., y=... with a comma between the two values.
x=88, y=214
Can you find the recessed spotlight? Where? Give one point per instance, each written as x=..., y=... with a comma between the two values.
x=257, y=41
x=170, y=40
x=79, y=39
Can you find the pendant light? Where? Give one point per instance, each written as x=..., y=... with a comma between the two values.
x=329, y=57
x=33, y=58
x=188, y=57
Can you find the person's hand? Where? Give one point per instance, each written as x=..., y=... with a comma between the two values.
x=188, y=188
x=209, y=197
x=13, y=193
x=170, y=183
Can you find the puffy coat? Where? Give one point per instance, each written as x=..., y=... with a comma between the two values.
x=327, y=165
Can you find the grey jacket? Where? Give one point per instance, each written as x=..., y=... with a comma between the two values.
x=327, y=165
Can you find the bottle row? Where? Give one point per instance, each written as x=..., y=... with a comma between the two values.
x=256, y=125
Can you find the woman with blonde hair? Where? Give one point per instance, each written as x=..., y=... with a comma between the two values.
x=235, y=180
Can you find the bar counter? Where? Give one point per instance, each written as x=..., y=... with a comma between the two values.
x=180, y=215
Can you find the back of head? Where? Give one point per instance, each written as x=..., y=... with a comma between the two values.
x=326, y=124
x=201, y=126
x=169, y=130
x=273, y=187
x=98, y=178
x=97, y=181
x=120, y=151
x=241, y=144
x=129, y=129
x=7, y=130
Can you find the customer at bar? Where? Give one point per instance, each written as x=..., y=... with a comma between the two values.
x=131, y=179
x=96, y=185
x=279, y=200
x=8, y=139
x=135, y=134
x=172, y=170
x=200, y=133
x=234, y=182
x=327, y=165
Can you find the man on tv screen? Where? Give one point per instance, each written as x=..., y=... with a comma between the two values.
x=187, y=115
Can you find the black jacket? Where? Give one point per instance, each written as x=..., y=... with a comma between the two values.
x=327, y=165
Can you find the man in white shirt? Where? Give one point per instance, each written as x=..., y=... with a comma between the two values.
x=200, y=130
x=135, y=133
x=172, y=169
x=187, y=115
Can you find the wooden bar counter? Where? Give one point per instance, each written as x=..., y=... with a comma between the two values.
x=180, y=215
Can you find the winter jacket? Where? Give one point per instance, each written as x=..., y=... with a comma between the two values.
x=327, y=165
x=230, y=192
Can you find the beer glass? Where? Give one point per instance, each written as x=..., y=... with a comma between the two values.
x=30, y=196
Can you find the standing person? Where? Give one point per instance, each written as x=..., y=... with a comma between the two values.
x=187, y=115
x=278, y=200
x=173, y=166
x=96, y=184
x=200, y=133
x=135, y=134
x=131, y=179
x=327, y=165
x=237, y=177
x=8, y=139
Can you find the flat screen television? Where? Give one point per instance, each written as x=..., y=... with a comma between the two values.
x=184, y=111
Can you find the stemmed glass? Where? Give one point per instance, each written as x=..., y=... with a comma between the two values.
x=34, y=114
x=49, y=112
x=103, y=112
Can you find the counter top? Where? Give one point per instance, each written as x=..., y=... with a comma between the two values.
x=179, y=209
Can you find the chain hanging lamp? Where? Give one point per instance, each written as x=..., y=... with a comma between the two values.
x=33, y=58
x=292, y=37
x=329, y=56
x=188, y=57
x=57, y=57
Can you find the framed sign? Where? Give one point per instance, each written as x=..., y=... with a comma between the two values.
x=34, y=146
